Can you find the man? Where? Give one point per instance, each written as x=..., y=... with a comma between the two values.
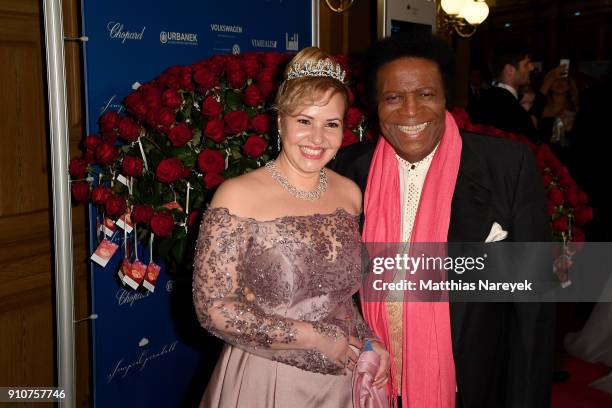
x=424, y=181
x=499, y=106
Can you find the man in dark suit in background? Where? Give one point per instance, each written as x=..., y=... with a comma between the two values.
x=499, y=106
x=500, y=353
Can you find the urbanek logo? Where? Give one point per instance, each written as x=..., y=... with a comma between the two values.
x=292, y=43
x=236, y=49
x=172, y=37
x=263, y=43
x=117, y=31
x=222, y=28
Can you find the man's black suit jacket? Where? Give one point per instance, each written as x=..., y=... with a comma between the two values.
x=498, y=107
x=502, y=351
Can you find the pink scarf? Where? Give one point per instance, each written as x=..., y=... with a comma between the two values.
x=428, y=372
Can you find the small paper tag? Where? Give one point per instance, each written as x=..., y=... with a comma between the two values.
x=151, y=276
x=125, y=222
x=124, y=269
x=172, y=205
x=123, y=180
x=104, y=252
x=135, y=274
x=108, y=227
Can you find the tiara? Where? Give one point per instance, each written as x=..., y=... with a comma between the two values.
x=321, y=68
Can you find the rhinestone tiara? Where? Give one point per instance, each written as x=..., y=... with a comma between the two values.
x=321, y=68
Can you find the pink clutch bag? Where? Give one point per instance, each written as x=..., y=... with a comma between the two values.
x=364, y=394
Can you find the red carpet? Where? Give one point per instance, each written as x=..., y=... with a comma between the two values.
x=575, y=392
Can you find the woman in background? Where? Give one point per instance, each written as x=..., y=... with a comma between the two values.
x=278, y=260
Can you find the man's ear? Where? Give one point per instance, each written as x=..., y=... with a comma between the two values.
x=508, y=71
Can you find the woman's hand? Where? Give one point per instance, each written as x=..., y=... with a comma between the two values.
x=332, y=342
x=382, y=375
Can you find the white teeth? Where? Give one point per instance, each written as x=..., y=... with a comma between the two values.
x=414, y=129
x=312, y=152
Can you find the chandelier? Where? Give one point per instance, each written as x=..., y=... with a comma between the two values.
x=340, y=6
x=461, y=16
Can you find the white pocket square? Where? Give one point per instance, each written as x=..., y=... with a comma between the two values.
x=497, y=233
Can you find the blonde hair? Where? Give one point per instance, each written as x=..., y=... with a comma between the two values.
x=308, y=90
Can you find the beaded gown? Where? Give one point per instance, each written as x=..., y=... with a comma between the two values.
x=295, y=268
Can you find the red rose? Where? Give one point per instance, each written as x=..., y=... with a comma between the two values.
x=132, y=166
x=165, y=118
x=251, y=67
x=80, y=191
x=109, y=121
x=236, y=122
x=551, y=209
x=151, y=96
x=349, y=138
x=353, y=118
x=351, y=96
x=192, y=217
x=133, y=100
x=578, y=235
x=106, y=153
x=546, y=179
x=128, y=129
x=142, y=213
x=100, y=194
x=211, y=161
x=235, y=74
x=180, y=135
x=583, y=215
x=261, y=123
x=162, y=223
x=255, y=146
x=115, y=205
x=583, y=198
x=555, y=196
x=91, y=142
x=560, y=224
x=214, y=130
x=206, y=79
x=169, y=170
x=212, y=180
x=171, y=99
x=211, y=107
x=571, y=197
x=77, y=168
x=266, y=88
x=251, y=96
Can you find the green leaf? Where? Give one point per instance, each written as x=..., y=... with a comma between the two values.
x=233, y=100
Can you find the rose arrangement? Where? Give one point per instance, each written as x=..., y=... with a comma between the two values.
x=567, y=204
x=182, y=134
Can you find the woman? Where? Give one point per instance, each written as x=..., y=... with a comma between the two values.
x=278, y=259
x=558, y=116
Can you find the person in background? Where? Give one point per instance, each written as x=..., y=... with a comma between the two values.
x=278, y=260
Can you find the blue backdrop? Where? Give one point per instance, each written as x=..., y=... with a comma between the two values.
x=145, y=352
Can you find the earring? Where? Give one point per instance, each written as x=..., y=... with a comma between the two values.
x=278, y=141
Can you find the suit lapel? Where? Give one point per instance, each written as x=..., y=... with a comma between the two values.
x=471, y=219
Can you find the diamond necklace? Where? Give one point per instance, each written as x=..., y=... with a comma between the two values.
x=301, y=194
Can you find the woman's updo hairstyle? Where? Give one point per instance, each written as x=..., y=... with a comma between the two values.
x=308, y=77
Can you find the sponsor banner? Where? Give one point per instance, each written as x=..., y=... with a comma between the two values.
x=147, y=345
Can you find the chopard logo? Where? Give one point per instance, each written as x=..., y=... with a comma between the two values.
x=117, y=31
x=125, y=297
x=263, y=43
x=222, y=28
x=292, y=43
